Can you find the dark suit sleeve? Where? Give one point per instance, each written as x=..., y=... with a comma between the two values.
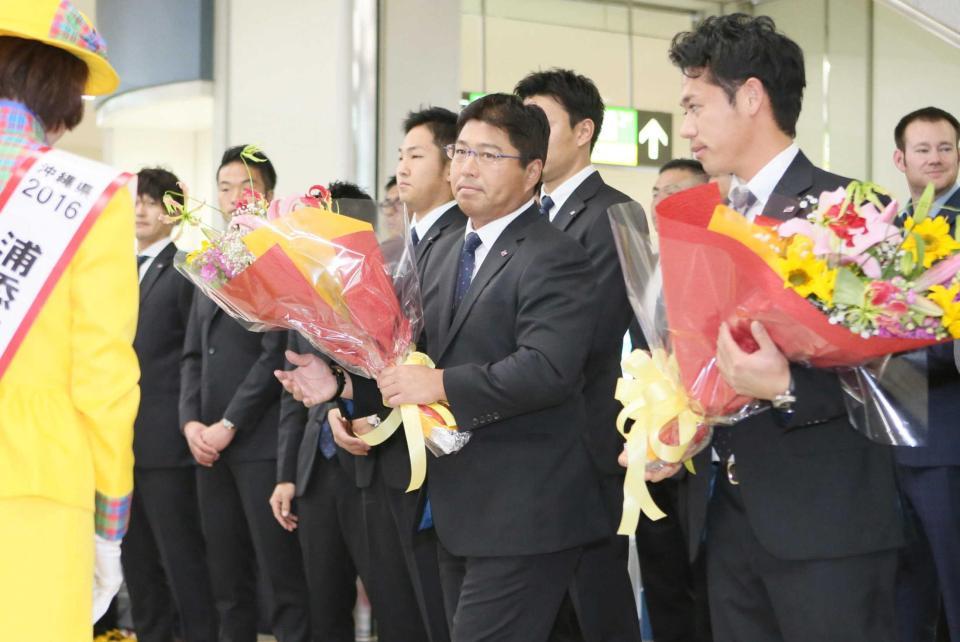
x=190, y=368
x=819, y=396
x=556, y=314
x=184, y=298
x=293, y=421
x=260, y=387
x=367, y=398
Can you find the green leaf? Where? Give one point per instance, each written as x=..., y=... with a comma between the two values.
x=848, y=289
x=921, y=208
x=921, y=250
x=907, y=264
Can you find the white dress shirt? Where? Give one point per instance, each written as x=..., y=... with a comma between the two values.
x=424, y=223
x=566, y=189
x=489, y=234
x=151, y=253
x=764, y=182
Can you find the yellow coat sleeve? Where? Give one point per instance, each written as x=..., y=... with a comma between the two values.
x=104, y=369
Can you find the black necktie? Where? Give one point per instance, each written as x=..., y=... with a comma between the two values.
x=414, y=236
x=141, y=259
x=468, y=260
x=546, y=204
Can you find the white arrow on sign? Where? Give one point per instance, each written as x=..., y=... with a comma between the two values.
x=653, y=135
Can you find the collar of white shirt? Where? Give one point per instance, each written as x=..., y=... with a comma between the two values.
x=566, y=189
x=155, y=248
x=764, y=182
x=423, y=225
x=490, y=232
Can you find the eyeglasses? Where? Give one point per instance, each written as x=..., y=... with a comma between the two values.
x=460, y=154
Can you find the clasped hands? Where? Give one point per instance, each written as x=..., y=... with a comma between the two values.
x=761, y=374
x=207, y=442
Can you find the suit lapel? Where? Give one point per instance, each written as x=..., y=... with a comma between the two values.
x=577, y=201
x=447, y=219
x=498, y=256
x=784, y=202
x=162, y=261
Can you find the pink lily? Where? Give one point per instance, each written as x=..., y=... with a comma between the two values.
x=941, y=272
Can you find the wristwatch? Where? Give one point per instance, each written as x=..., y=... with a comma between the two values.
x=229, y=425
x=782, y=405
x=341, y=384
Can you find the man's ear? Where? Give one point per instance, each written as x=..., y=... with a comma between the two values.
x=533, y=173
x=583, y=132
x=753, y=95
x=899, y=159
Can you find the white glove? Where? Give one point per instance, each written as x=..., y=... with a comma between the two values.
x=107, y=574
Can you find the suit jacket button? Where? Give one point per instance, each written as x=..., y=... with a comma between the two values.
x=476, y=421
x=211, y=350
x=496, y=415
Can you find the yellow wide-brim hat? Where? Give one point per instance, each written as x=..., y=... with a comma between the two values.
x=60, y=24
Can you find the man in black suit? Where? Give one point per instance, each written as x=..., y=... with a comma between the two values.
x=229, y=409
x=163, y=553
x=503, y=306
x=393, y=517
x=575, y=199
x=929, y=571
x=802, y=524
x=336, y=514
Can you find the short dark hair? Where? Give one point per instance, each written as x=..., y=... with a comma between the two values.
x=577, y=94
x=685, y=164
x=390, y=182
x=441, y=122
x=927, y=114
x=48, y=80
x=362, y=205
x=525, y=125
x=346, y=189
x=734, y=48
x=267, y=173
x=156, y=181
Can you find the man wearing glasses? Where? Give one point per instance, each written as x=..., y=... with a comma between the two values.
x=504, y=306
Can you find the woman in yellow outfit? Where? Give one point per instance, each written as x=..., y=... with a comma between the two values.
x=68, y=312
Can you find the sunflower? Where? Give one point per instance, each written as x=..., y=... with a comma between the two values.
x=804, y=273
x=937, y=240
x=946, y=298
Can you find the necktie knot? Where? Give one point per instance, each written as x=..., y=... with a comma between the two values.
x=546, y=204
x=742, y=199
x=472, y=242
x=141, y=258
x=414, y=236
x=468, y=261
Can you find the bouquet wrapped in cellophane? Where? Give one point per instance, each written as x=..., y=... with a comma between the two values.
x=839, y=286
x=314, y=264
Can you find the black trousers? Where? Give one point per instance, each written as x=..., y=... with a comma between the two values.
x=404, y=578
x=505, y=599
x=600, y=606
x=675, y=589
x=928, y=575
x=755, y=597
x=331, y=538
x=164, y=558
x=243, y=538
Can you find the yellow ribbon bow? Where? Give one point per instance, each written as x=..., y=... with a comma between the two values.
x=653, y=397
x=418, y=421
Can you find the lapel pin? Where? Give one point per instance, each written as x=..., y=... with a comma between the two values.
x=789, y=209
x=503, y=253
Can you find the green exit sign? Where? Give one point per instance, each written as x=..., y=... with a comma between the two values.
x=617, y=144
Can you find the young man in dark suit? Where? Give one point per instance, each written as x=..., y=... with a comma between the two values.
x=393, y=517
x=342, y=533
x=505, y=304
x=574, y=198
x=929, y=475
x=229, y=409
x=802, y=524
x=163, y=553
